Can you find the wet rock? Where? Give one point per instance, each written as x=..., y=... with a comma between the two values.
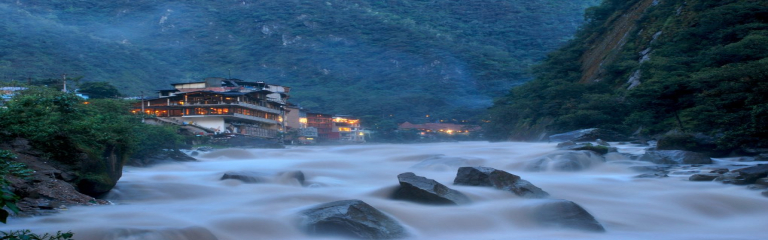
x=205, y=149
x=566, y=144
x=756, y=187
x=729, y=177
x=719, y=170
x=602, y=142
x=765, y=193
x=194, y=153
x=248, y=177
x=750, y=175
x=661, y=174
x=424, y=190
x=350, y=219
x=197, y=233
x=292, y=176
x=762, y=181
x=260, y=177
x=675, y=157
x=161, y=157
x=567, y=161
x=702, y=177
x=565, y=214
x=602, y=150
x=485, y=176
x=587, y=135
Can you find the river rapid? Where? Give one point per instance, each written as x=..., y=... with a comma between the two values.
x=189, y=201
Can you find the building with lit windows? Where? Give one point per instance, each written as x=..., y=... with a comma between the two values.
x=297, y=127
x=348, y=129
x=219, y=105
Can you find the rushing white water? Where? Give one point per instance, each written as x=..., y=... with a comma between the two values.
x=191, y=194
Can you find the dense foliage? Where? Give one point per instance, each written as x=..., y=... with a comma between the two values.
x=63, y=125
x=702, y=66
x=94, y=137
x=405, y=58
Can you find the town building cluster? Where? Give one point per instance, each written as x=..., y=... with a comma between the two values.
x=224, y=106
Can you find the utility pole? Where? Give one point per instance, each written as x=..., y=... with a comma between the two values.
x=142, y=107
x=64, y=78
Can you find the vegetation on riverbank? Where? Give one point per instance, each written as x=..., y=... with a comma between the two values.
x=94, y=137
x=701, y=66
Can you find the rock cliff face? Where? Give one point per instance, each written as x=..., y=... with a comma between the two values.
x=52, y=186
x=604, y=47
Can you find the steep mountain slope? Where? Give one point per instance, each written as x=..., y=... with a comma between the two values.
x=650, y=66
x=403, y=58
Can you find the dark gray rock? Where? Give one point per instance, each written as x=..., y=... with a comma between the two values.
x=248, y=177
x=750, y=175
x=297, y=176
x=729, y=177
x=565, y=214
x=424, y=190
x=756, y=187
x=675, y=157
x=588, y=135
x=260, y=177
x=702, y=177
x=602, y=142
x=661, y=174
x=350, y=219
x=566, y=161
x=485, y=176
x=765, y=193
x=719, y=170
x=566, y=144
x=762, y=181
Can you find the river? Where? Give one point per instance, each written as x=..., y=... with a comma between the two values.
x=155, y=202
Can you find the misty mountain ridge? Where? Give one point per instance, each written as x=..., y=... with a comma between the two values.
x=402, y=58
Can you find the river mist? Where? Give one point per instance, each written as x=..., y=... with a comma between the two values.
x=189, y=201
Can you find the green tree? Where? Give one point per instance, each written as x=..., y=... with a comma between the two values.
x=99, y=90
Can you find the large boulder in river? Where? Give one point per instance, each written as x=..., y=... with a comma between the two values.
x=566, y=161
x=350, y=219
x=424, y=190
x=675, y=157
x=247, y=176
x=296, y=177
x=564, y=214
x=750, y=175
x=485, y=176
x=588, y=135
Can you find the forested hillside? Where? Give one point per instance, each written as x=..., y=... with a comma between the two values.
x=648, y=67
x=404, y=58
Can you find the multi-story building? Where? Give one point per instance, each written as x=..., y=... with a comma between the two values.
x=296, y=122
x=219, y=105
x=348, y=129
x=324, y=125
